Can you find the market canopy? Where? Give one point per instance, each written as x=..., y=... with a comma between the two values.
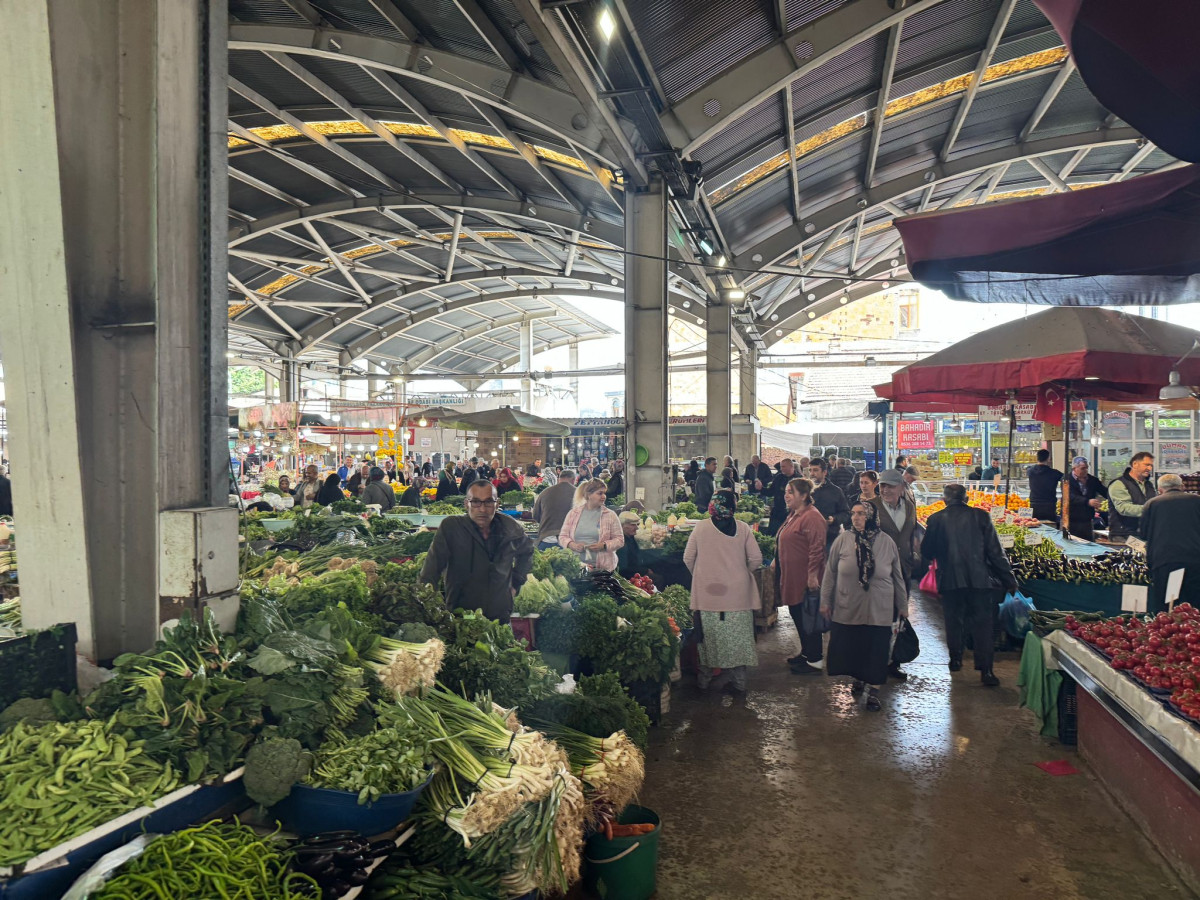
x=444, y=416
x=1140, y=61
x=509, y=419
x=1098, y=353
x=1131, y=243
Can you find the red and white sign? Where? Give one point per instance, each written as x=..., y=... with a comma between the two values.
x=912, y=434
x=1000, y=413
x=1050, y=403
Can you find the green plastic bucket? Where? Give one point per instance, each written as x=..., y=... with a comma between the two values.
x=625, y=867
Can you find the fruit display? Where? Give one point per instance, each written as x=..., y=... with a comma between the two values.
x=1162, y=652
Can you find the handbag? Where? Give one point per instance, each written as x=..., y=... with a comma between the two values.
x=907, y=646
x=697, y=627
x=811, y=620
x=929, y=583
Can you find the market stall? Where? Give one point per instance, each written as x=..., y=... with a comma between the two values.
x=1133, y=685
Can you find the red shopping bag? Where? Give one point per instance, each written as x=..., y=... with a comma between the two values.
x=929, y=582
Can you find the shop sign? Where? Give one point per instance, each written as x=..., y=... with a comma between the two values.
x=1000, y=413
x=426, y=442
x=945, y=458
x=535, y=442
x=963, y=459
x=1174, y=456
x=913, y=434
x=269, y=417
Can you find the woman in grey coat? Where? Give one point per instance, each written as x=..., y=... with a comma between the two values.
x=862, y=591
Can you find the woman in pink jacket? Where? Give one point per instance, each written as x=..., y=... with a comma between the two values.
x=799, y=564
x=592, y=530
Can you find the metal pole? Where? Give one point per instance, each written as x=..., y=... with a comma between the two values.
x=1012, y=423
x=1066, y=486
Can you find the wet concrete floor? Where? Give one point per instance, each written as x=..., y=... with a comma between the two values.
x=795, y=790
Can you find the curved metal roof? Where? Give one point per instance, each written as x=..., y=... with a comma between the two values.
x=411, y=180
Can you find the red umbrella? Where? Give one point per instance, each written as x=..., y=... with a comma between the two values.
x=1140, y=60
x=1132, y=243
x=1097, y=353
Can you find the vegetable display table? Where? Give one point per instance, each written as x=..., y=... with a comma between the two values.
x=1102, y=598
x=1147, y=756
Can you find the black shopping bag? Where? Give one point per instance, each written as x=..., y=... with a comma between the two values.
x=908, y=645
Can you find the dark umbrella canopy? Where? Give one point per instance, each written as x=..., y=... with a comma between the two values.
x=509, y=419
x=1133, y=243
x=444, y=416
x=1140, y=60
x=1100, y=353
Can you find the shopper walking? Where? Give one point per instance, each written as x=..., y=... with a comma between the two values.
x=798, y=567
x=829, y=499
x=1127, y=496
x=592, y=530
x=551, y=507
x=706, y=484
x=359, y=480
x=1085, y=493
x=1044, y=480
x=897, y=517
x=1170, y=526
x=972, y=575
x=723, y=556
x=863, y=593
x=776, y=493
x=910, y=476
x=758, y=476
x=868, y=485
x=842, y=474
x=469, y=474
x=483, y=557
x=378, y=491
x=331, y=490
x=447, y=485
x=616, y=484
x=412, y=493
x=692, y=473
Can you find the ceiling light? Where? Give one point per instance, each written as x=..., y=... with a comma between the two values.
x=1092, y=378
x=722, y=260
x=476, y=445
x=366, y=424
x=494, y=453
x=735, y=294
x=687, y=304
x=422, y=422
x=811, y=314
x=391, y=426
x=1174, y=390
x=398, y=379
x=286, y=447
x=706, y=247
x=893, y=263
x=608, y=25
x=778, y=332
x=812, y=297
x=229, y=354
x=774, y=317
x=336, y=417
x=515, y=438
x=844, y=299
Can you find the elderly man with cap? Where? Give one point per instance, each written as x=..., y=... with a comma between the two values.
x=1170, y=526
x=898, y=520
x=378, y=491
x=1086, y=491
x=910, y=476
x=628, y=558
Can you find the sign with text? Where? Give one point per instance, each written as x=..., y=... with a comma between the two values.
x=963, y=459
x=1000, y=413
x=912, y=434
x=269, y=417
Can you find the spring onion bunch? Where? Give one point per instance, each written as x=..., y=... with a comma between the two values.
x=612, y=768
x=404, y=667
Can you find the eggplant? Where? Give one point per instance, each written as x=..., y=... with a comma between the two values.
x=380, y=849
x=357, y=876
x=329, y=835
x=359, y=862
x=339, y=887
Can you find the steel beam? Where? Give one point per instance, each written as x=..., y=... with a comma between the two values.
x=1048, y=98
x=743, y=86
x=537, y=102
x=718, y=384
x=647, y=219
x=490, y=33
x=985, y=59
x=748, y=382
x=885, y=90
x=525, y=363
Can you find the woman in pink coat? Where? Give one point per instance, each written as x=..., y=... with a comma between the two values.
x=592, y=530
x=799, y=564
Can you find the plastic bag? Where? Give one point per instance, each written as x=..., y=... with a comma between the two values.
x=1014, y=615
x=907, y=646
x=929, y=583
x=97, y=876
x=810, y=614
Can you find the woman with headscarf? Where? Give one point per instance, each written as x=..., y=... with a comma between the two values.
x=379, y=491
x=331, y=491
x=592, y=530
x=506, y=481
x=447, y=485
x=799, y=564
x=723, y=556
x=863, y=591
x=693, y=471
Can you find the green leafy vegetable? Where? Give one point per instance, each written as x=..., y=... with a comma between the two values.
x=273, y=766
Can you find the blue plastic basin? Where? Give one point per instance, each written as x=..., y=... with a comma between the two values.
x=309, y=810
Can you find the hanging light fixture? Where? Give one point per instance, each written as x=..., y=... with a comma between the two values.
x=422, y=423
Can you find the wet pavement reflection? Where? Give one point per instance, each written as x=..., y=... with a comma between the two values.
x=795, y=789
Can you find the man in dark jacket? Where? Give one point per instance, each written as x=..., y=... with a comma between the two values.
x=972, y=575
x=1043, y=487
x=1170, y=526
x=412, y=494
x=842, y=474
x=484, y=557
x=897, y=517
x=1127, y=496
x=469, y=474
x=829, y=500
x=616, y=484
x=774, y=492
x=706, y=485
x=6, y=508
x=758, y=476
x=1086, y=491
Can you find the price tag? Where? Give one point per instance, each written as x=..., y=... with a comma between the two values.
x=1032, y=540
x=1135, y=544
x=1007, y=541
x=997, y=513
x=1025, y=512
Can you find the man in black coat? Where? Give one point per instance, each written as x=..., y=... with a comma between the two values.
x=972, y=575
x=706, y=485
x=842, y=474
x=1043, y=487
x=774, y=492
x=829, y=499
x=616, y=484
x=1170, y=526
x=758, y=476
x=6, y=508
x=469, y=474
x=1086, y=491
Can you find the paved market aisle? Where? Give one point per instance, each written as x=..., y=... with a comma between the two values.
x=796, y=791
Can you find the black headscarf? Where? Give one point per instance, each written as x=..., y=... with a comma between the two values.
x=864, y=553
x=721, y=508
x=331, y=491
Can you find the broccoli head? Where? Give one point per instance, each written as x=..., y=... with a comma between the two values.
x=273, y=766
x=28, y=710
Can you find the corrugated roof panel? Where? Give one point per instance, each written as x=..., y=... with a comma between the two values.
x=804, y=12
x=1074, y=110
x=1025, y=17
x=945, y=30
x=351, y=81
x=856, y=71
x=1010, y=49
x=687, y=50
x=764, y=123
x=265, y=76
x=270, y=12
x=910, y=143
x=442, y=24
x=997, y=115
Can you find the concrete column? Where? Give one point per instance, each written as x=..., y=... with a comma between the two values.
x=646, y=221
x=718, y=354
x=573, y=365
x=289, y=382
x=526, y=365
x=748, y=382
x=112, y=294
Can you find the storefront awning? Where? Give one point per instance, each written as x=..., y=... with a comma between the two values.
x=1132, y=243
